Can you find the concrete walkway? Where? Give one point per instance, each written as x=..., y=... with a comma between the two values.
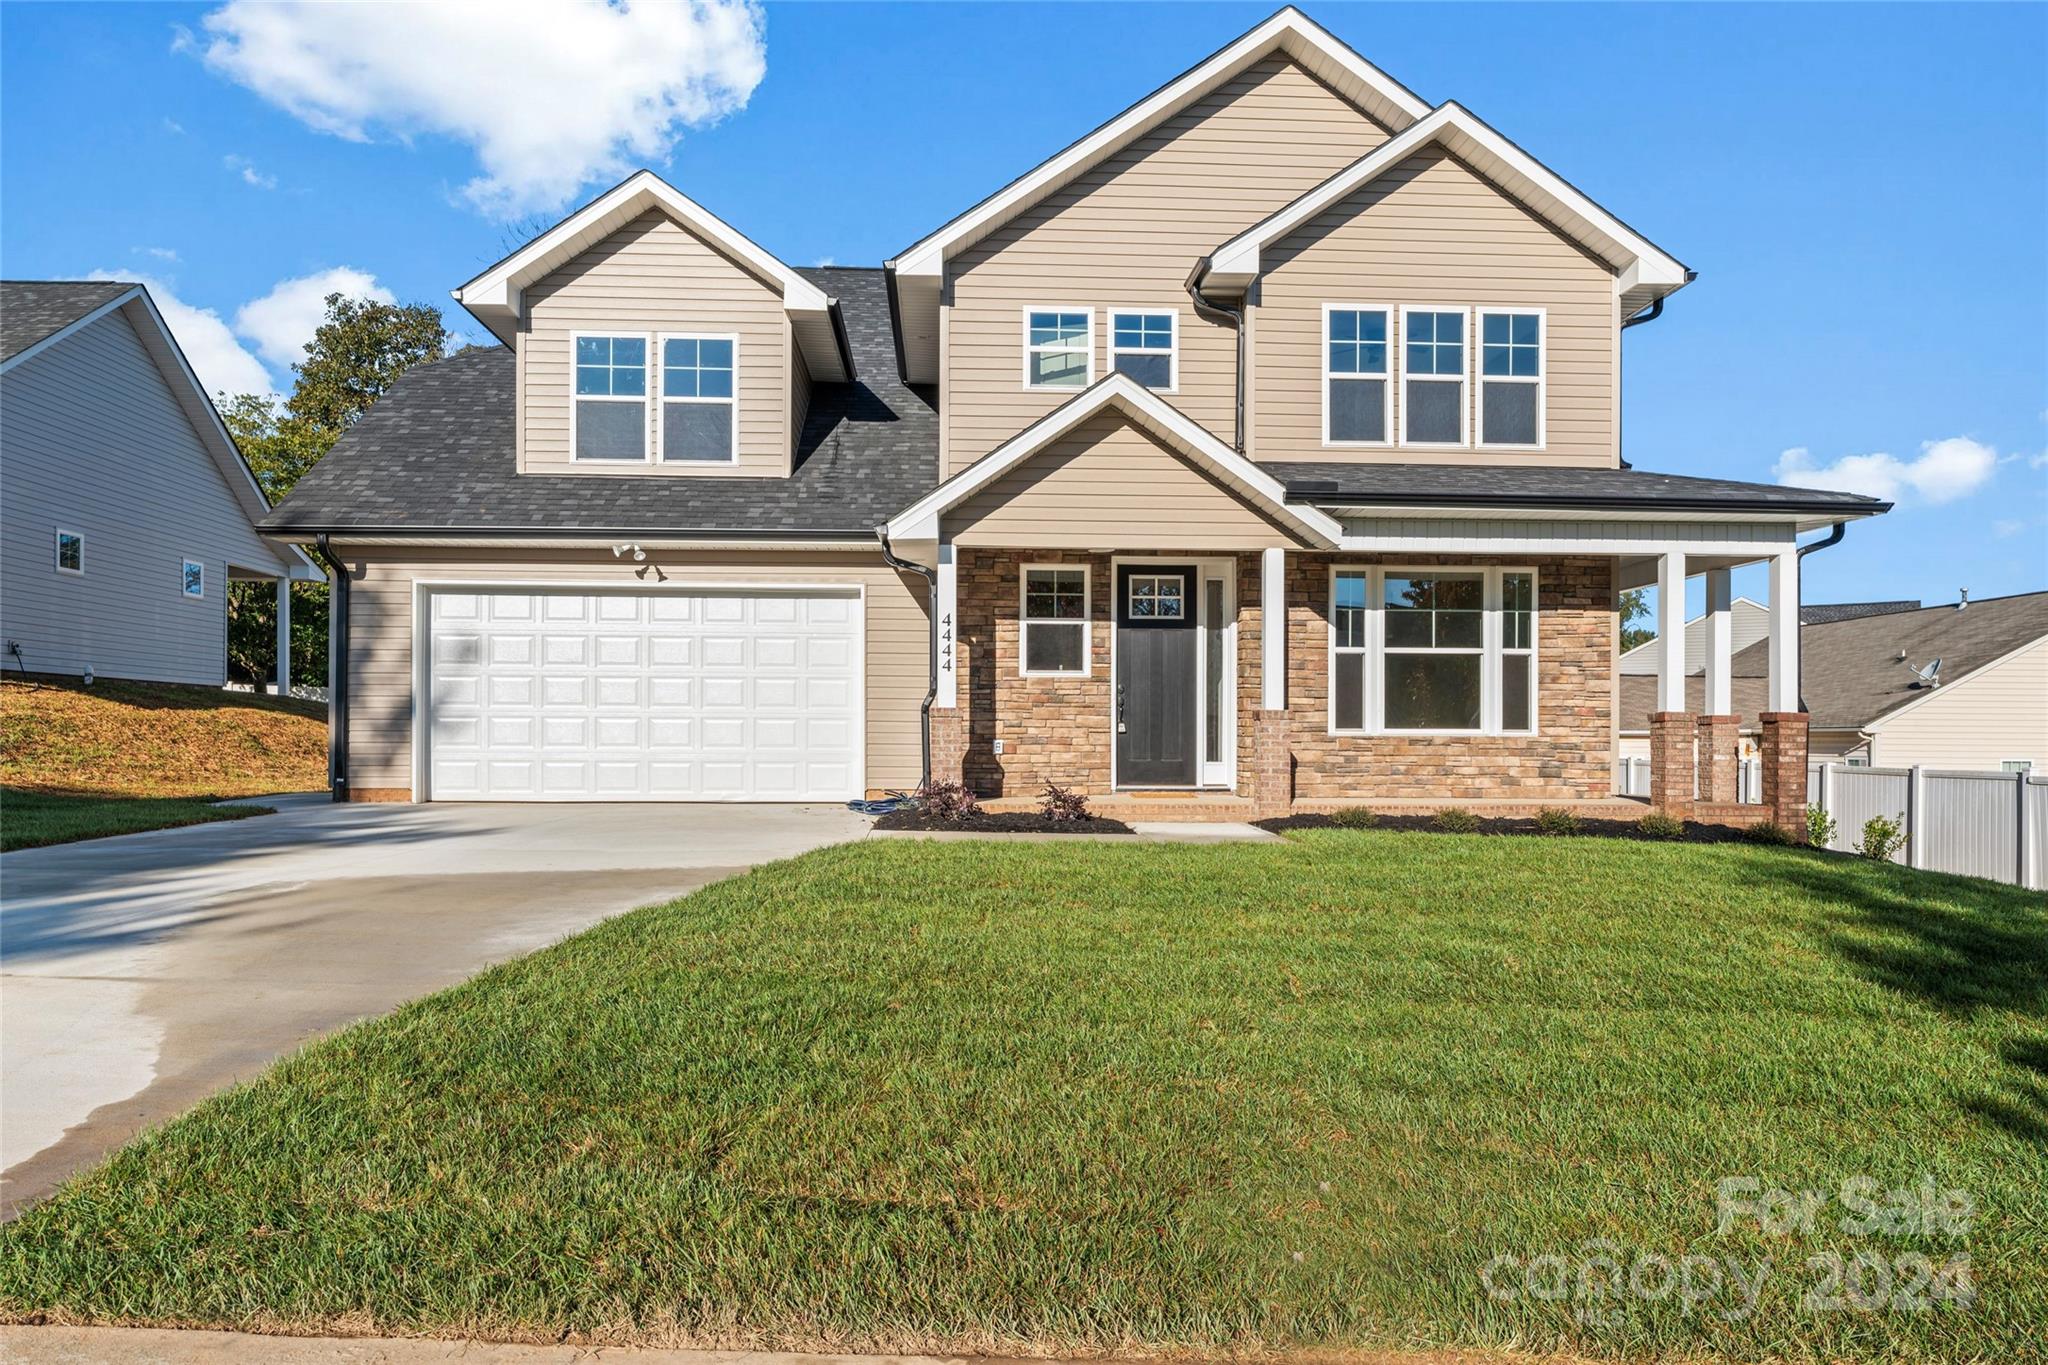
x=140, y=974
x=139, y=1346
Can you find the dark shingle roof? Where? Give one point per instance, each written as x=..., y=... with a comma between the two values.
x=436, y=454
x=32, y=309
x=1329, y=484
x=1852, y=673
x=1823, y=613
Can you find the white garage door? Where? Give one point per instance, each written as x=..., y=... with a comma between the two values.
x=557, y=696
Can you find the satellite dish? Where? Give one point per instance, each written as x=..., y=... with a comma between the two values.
x=1931, y=675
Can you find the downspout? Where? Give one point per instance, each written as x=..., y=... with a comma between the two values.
x=931, y=691
x=1833, y=537
x=1236, y=319
x=337, y=669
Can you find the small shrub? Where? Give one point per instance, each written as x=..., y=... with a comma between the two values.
x=1556, y=820
x=1456, y=820
x=1764, y=832
x=1883, y=838
x=1357, y=817
x=1658, y=825
x=946, y=801
x=1063, y=803
x=1820, y=827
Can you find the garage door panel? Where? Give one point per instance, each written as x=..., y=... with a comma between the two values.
x=622, y=696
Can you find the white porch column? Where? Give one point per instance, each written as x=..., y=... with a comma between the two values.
x=1784, y=647
x=1671, y=630
x=1720, y=640
x=947, y=606
x=1273, y=629
x=284, y=635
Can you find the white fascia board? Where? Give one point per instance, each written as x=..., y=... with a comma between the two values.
x=920, y=520
x=1288, y=30
x=495, y=294
x=1638, y=262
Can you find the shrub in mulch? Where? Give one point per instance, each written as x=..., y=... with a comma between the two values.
x=948, y=806
x=1662, y=829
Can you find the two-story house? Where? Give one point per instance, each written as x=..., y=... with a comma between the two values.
x=1264, y=442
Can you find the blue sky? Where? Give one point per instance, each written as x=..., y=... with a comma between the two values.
x=1864, y=189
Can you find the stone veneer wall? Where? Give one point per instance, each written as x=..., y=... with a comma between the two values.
x=1059, y=729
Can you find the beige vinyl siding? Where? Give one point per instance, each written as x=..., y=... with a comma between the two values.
x=93, y=439
x=1126, y=235
x=1432, y=231
x=1995, y=714
x=381, y=634
x=1109, y=485
x=654, y=276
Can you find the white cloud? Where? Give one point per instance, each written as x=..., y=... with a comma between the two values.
x=1942, y=472
x=2039, y=461
x=247, y=169
x=162, y=253
x=283, y=321
x=824, y=261
x=222, y=363
x=2006, y=526
x=171, y=125
x=551, y=96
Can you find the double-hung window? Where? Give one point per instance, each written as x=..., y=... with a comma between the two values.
x=609, y=408
x=1059, y=348
x=1355, y=358
x=70, y=551
x=1436, y=650
x=1510, y=377
x=1054, y=625
x=1433, y=376
x=699, y=416
x=1141, y=345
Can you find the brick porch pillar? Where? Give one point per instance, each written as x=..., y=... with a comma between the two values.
x=949, y=744
x=1783, y=743
x=1272, y=766
x=1719, y=755
x=1671, y=762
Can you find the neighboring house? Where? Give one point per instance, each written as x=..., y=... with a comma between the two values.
x=126, y=506
x=1749, y=622
x=1264, y=442
x=1869, y=703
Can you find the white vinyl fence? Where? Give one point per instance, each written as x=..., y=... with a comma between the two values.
x=1632, y=778
x=1978, y=824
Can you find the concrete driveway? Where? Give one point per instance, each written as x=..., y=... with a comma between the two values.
x=145, y=972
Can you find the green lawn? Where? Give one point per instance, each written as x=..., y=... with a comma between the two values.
x=1014, y=1097
x=29, y=819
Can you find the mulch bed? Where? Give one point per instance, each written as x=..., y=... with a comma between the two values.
x=1695, y=833
x=1007, y=822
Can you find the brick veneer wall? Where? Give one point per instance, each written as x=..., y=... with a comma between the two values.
x=1059, y=729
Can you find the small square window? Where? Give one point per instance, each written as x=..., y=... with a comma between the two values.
x=194, y=578
x=1057, y=348
x=70, y=552
x=1141, y=345
x=1157, y=597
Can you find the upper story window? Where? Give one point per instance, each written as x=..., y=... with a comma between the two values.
x=192, y=577
x=608, y=414
x=1059, y=348
x=1355, y=359
x=1141, y=345
x=1510, y=377
x=1055, y=620
x=70, y=551
x=699, y=417
x=1433, y=376
x=1433, y=650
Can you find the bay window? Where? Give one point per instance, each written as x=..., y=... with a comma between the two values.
x=1054, y=621
x=1510, y=377
x=1432, y=650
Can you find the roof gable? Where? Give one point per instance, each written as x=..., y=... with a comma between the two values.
x=1643, y=271
x=495, y=296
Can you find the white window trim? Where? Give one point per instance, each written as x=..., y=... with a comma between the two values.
x=1491, y=650
x=647, y=451
x=1464, y=441
x=198, y=564
x=662, y=400
x=1393, y=349
x=1541, y=381
x=1025, y=621
x=57, y=551
x=1088, y=333
x=1172, y=352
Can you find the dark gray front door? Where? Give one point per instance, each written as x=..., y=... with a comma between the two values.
x=1156, y=646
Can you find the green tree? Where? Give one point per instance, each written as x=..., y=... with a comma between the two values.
x=1634, y=608
x=356, y=354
